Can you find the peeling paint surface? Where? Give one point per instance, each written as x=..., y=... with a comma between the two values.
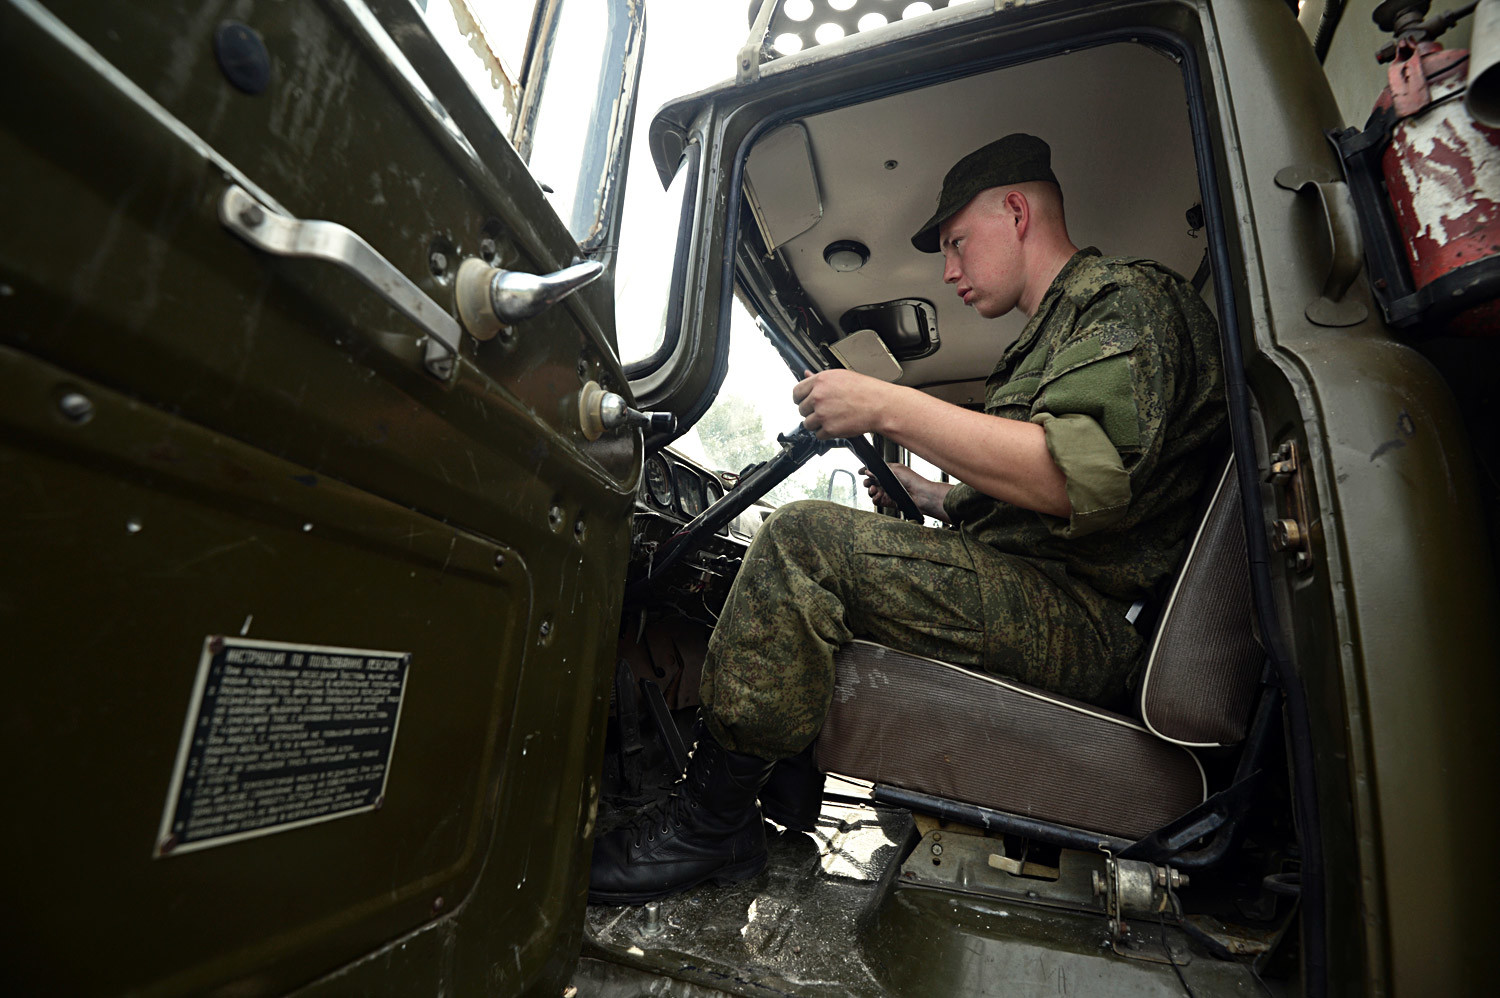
x=1443, y=173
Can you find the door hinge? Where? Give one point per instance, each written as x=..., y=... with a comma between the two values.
x=1291, y=534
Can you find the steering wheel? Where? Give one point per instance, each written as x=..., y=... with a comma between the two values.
x=864, y=449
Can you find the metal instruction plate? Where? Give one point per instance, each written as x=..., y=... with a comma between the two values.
x=279, y=736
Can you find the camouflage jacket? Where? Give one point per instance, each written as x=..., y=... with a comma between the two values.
x=1120, y=366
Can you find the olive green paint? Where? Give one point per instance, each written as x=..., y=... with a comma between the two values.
x=266, y=453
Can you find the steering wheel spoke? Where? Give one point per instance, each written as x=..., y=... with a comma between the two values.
x=864, y=449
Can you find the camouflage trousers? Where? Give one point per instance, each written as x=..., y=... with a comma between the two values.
x=818, y=575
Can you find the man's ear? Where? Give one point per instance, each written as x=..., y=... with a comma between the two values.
x=1019, y=209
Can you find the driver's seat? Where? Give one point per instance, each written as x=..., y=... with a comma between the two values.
x=916, y=723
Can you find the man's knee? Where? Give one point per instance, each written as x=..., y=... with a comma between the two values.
x=806, y=518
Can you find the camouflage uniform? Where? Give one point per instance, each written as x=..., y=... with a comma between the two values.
x=1120, y=366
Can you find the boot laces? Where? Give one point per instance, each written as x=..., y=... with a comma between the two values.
x=660, y=816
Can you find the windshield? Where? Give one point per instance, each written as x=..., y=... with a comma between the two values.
x=753, y=406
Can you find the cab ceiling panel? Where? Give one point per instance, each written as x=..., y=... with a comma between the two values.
x=1116, y=119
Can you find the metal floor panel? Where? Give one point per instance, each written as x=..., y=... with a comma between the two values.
x=826, y=919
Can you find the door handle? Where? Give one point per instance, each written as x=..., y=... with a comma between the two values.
x=490, y=298
x=280, y=235
x=1332, y=308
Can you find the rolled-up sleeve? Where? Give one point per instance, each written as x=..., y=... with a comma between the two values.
x=1088, y=407
x=1097, y=482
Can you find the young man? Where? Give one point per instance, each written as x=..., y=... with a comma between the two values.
x=1079, y=485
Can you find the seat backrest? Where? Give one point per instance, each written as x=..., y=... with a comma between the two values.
x=1205, y=661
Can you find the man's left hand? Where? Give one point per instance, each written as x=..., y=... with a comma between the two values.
x=840, y=403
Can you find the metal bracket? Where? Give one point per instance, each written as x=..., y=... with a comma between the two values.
x=1291, y=534
x=1138, y=889
x=1331, y=308
x=747, y=63
x=280, y=235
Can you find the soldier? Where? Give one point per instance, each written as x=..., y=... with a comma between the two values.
x=1079, y=486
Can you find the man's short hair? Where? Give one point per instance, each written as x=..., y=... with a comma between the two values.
x=1015, y=159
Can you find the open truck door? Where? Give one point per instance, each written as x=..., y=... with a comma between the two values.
x=308, y=590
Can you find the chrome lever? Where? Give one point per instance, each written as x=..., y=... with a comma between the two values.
x=489, y=298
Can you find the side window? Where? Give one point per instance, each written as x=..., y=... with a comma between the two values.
x=488, y=43
x=648, y=295
x=569, y=135
x=556, y=77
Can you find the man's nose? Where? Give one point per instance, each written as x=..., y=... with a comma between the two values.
x=951, y=271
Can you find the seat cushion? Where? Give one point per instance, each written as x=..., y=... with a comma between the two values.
x=925, y=725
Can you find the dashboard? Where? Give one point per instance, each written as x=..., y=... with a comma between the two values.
x=673, y=486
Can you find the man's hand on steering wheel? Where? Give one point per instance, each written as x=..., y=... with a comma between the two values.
x=844, y=404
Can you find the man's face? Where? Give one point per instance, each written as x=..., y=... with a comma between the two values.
x=981, y=255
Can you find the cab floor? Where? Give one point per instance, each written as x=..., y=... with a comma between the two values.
x=825, y=918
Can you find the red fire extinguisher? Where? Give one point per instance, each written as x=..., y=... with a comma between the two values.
x=1442, y=176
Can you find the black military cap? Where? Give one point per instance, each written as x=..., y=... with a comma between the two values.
x=1014, y=159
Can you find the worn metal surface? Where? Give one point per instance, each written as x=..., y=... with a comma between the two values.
x=793, y=930
x=200, y=438
x=829, y=918
x=1442, y=174
x=1394, y=629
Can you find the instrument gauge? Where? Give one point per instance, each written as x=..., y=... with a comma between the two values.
x=689, y=492
x=713, y=490
x=659, y=480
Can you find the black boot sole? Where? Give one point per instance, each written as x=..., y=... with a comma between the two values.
x=744, y=870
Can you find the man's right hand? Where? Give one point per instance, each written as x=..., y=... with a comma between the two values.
x=927, y=494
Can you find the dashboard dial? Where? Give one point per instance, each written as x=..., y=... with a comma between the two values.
x=689, y=492
x=659, y=480
x=713, y=490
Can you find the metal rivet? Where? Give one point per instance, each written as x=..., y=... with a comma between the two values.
x=252, y=215
x=487, y=248
x=500, y=560
x=243, y=57
x=546, y=628
x=437, y=904
x=132, y=526
x=215, y=644
x=578, y=528
x=937, y=850
x=891, y=164
x=583, y=369
x=438, y=262
x=306, y=528
x=555, y=517
x=76, y=406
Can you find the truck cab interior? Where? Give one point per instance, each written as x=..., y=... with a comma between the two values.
x=1015, y=818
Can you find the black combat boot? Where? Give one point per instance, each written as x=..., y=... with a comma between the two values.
x=708, y=828
x=793, y=796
